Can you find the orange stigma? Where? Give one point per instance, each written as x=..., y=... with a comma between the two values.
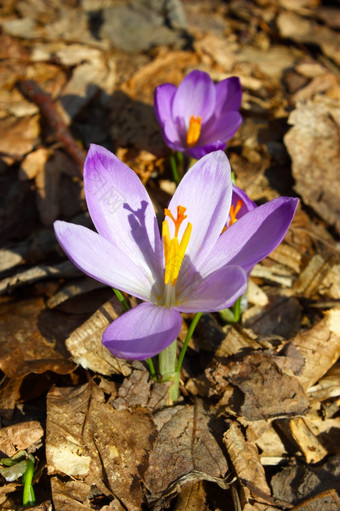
x=194, y=130
x=174, y=251
x=233, y=212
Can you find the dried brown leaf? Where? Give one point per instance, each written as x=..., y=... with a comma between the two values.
x=85, y=343
x=313, y=146
x=320, y=347
x=19, y=437
x=266, y=391
x=185, y=451
x=247, y=465
x=33, y=339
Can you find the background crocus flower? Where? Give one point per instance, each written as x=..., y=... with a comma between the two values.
x=191, y=268
x=199, y=116
x=240, y=205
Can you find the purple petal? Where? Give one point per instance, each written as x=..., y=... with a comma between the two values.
x=254, y=236
x=195, y=96
x=205, y=191
x=198, y=152
x=163, y=101
x=142, y=332
x=103, y=260
x=121, y=209
x=228, y=95
x=221, y=127
x=214, y=292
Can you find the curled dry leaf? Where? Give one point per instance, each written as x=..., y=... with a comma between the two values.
x=105, y=448
x=313, y=146
x=320, y=347
x=258, y=388
x=19, y=437
x=85, y=343
x=247, y=465
x=185, y=451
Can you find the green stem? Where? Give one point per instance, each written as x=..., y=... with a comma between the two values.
x=237, y=310
x=187, y=339
x=28, y=498
x=121, y=298
x=174, y=169
x=152, y=369
x=167, y=369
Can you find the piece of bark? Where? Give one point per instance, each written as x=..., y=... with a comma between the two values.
x=310, y=446
x=85, y=343
x=19, y=437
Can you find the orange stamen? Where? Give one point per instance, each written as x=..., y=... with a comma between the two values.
x=194, y=130
x=233, y=212
x=180, y=217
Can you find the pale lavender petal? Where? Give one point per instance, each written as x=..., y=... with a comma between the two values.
x=121, y=209
x=205, y=191
x=213, y=292
x=195, y=96
x=163, y=101
x=254, y=236
x=103, y=260
x=228, y=95
x=220, y=127
x=172, y=136
x=142, y=332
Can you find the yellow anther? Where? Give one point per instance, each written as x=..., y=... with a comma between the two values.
x=194, y=130
x=174, y=251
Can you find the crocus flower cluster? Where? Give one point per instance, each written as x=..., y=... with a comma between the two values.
x=199, y=116
x=193, y=265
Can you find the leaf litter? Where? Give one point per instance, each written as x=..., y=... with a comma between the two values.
x=257, y=425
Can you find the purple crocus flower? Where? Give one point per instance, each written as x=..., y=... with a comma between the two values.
x=192, y=267
x=199, y=116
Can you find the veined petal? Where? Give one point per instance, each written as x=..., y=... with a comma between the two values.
x=164, y=95
x=221, y=127
x=103, y=260
x=228, y=95
x=142, y=332
x=195, y=96
x=254, y=236
x=121, y=209
x=205, y=191
x=214, y=292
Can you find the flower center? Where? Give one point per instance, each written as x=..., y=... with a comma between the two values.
x=194, y=130
x=174, y=250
